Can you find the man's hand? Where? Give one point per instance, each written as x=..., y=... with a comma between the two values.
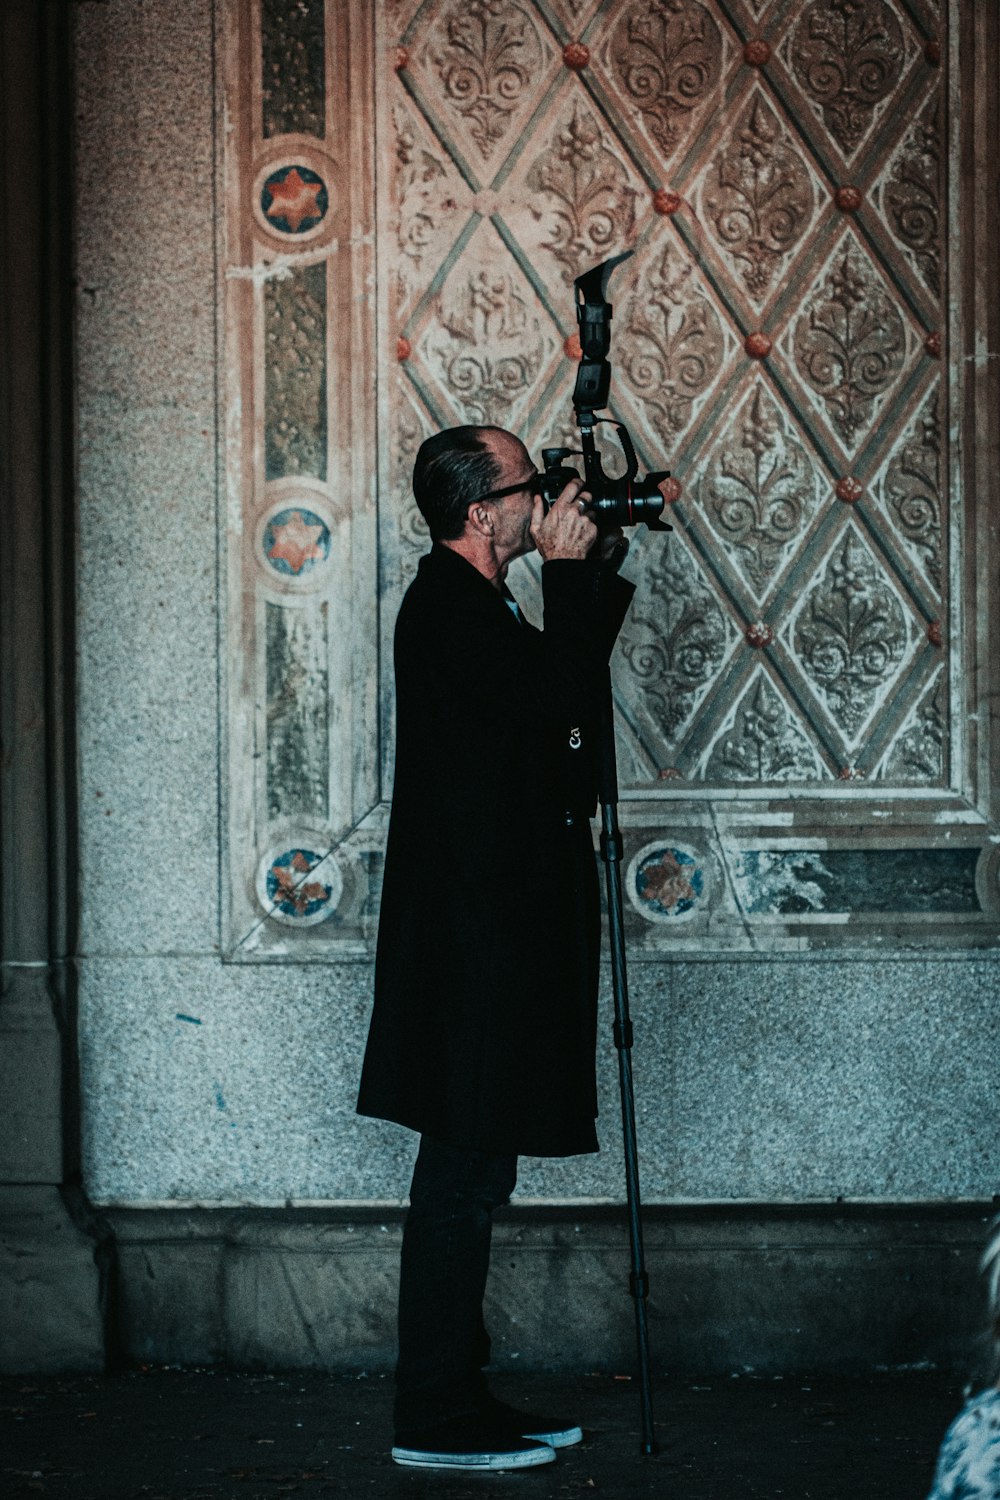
x=566, y=530
x=614, y=547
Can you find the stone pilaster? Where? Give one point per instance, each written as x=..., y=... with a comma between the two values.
x=50, y=1279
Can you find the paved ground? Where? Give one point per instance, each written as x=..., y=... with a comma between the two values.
x=207, y=1435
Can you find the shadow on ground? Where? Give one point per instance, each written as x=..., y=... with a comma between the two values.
x=210, y=1435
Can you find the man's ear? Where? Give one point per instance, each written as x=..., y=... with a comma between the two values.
x=480, y=518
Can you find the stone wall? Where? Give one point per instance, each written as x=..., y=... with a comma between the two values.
x=793, y=1075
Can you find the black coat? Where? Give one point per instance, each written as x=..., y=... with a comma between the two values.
x=483, y=1031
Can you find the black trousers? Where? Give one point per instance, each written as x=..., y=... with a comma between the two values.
x=443, y=1343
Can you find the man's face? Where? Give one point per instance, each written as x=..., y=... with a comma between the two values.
x=512, y=515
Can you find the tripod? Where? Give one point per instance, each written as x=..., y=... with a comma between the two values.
x=611, y=854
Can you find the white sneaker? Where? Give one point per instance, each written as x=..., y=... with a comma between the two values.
x=469, y=1443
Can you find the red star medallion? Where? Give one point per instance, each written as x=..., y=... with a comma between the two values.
x=294, y=200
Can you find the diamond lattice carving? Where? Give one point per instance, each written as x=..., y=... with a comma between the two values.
x=488, y=341
x=849, y=343
x=917, y=757
x=487, y=335
x=848, y=57
x=579, y=194
x=479, y=66
x=761, y=741
x=912, y=491
x=663, y=60
x=432, y=202
x=851, y=635
x=758, y=198
x=909, y=193
x=673, y=343
x=672, y=648
x=759, y=489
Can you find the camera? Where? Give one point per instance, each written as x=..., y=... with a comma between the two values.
x=625, y=500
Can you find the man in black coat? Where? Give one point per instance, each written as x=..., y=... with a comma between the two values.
x=484, y=1026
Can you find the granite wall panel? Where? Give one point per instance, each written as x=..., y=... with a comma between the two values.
x=768, y=1080
x=771, y=1076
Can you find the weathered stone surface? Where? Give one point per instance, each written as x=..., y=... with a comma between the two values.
x=50, y=1286
x=146, y=436
x=755, y=1079
x=30, y=1078
x=827, y=1288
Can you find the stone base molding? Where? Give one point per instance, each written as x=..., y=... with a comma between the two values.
x=775, y=1290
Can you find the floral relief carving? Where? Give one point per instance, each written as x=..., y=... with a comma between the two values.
x=759, y=491
x=673, y=641
x=667, y=56
x=913, y=489
x=918, y=753
x=851, y=635
x=419, y=181
x=760, y=198
x=911, y=194
x=674, y=343
x=848, y=57
x=490, y=57
x=488, y=345
x=850, y=342
x=410, y=433
x=763, y=743
x=588, y=202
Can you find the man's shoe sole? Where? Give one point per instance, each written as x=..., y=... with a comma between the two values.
x=520, y=1458
x=565, y=1437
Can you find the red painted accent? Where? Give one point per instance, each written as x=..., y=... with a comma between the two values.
x=294, y=200
x=932, y=344
x=759, y=635
x=402, y=59
x=848, y=198
x=850, y=773
x=849, y=489
x=571, y=347
x=670, y=773
x=670, y=489
x=402, y=348
x=932, y=52
x=756, y=52
x=935, y=634
x=576, y=56
x=666, y=202
x=296, y=542
x=757, y=345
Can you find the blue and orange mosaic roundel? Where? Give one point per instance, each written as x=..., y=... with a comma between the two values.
x=667, y=882
x=300, y=886
x=296, y=540
x=294, y=199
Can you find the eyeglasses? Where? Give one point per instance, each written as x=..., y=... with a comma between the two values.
x=532, y=485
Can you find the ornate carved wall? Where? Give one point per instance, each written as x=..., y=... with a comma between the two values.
x=410, y=191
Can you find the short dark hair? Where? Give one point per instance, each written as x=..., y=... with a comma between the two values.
x=452, y=469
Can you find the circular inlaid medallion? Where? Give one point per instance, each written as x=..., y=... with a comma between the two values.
x=667, y=882
x=298, y=885
x=295, y=541
x=294, y=199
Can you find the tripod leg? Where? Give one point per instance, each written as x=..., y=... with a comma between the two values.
x=611, y=854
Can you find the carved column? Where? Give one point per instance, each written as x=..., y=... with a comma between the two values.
x=50, y=1315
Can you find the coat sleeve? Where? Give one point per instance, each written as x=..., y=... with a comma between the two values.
x=585, y=605
x=477, y=690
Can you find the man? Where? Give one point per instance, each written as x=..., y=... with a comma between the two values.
x=483, y=1031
